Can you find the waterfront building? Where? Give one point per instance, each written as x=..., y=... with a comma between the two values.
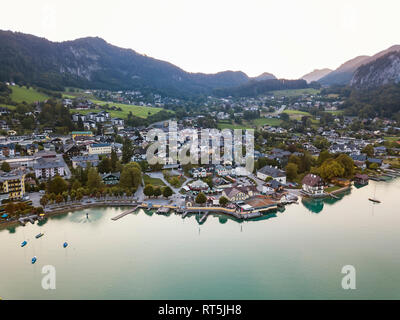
x=12, y=185
x=313, y=185
x=273, y=172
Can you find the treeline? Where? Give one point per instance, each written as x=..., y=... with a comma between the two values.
x=255, y=88
x=382, y=101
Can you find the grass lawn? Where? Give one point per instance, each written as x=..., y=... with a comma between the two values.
x=296, y=114
x=153, y=181
x=294, y=92
x=7, y=106
x=138, y=111
x=274, y=122
x=228, y=125
x=330, y=189
x=20, y=94
x=391, y=139
x=335, y=113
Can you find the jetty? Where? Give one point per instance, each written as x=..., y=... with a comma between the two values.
x=204, y=217
x=123, y=214
x=31, y=219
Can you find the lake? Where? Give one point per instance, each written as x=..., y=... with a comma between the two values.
x=295, y=254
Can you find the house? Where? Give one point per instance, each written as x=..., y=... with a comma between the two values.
x=221, y=170
x=117, y=121
x=313, y=185
x=110, y=178
x=361, y=179
x=82, y=161
x=199, y=173
x=99, y=148
x=7, y=150
x=237, y=193
x=46, y=168
x=12, y=185
x=198, y=185
x=272, y=172
x=76, y=134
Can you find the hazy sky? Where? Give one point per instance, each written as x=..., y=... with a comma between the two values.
x=285, y=37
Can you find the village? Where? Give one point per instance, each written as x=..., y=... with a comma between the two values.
x=47, y=170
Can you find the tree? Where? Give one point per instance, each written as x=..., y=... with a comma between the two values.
x=167, y=192
x=368, y=150
x=148, y=190
x=105, y=165
x=175, y=182
x=65, y=196
x=44, y=200
x=201, y=198
x=347, y=163
x=114, y=160
x=291, y=171
x=323, y=155
x=223, y=201
x=321, y=143
x=330, y=169
x=57, y=186
x=157, y=192
x=59, y=198
x=131, y=176
x=5, y=166
x=127, y=150
x=94, y=180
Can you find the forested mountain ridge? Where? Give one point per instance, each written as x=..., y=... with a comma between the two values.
x=94, y=63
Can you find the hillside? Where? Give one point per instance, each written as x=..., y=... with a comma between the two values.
x=94, y=63
x=344, y=74
x=264, y=76
x=382, y=71
x=255, y=88
x=316, y=75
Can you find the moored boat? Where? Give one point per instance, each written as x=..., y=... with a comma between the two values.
x=39, y=235
x=24, y=243
x=65, y=244
x=374, y=200
x=34, y=259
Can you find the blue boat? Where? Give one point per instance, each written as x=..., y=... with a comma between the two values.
x=34, y=260
x=65, y=245
x=23, y=244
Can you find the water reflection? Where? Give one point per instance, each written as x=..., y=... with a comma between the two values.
x=316, y=205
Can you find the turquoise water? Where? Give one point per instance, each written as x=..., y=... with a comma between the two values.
x=295, y=254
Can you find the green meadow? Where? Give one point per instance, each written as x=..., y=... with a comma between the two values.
x=295, y=92
x=20, y=94
x=138, y=111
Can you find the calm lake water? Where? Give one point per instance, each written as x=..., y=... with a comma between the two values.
x=295, y=254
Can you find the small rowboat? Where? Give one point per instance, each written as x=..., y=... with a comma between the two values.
x=39, y=235
x=374, y=200
x=34, y=259
x=65, y=245
x=23, y=244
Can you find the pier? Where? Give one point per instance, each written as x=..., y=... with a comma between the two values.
x=204, y=217
x=123, y=214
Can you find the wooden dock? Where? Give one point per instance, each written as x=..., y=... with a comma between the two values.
x=123, y=214
x=204, y=217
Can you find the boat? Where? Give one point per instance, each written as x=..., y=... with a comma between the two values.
x=24, y=243
x=65, y=245
x=39, y=235
x=374, y=200
x=34, y=259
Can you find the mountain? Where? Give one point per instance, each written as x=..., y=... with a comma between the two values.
x=344, y=74
x=264, y=76
x=382, y=71
x=254, y=88
x=94, y=63
x=316, y=75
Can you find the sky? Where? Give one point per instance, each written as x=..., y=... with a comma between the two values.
x=288, y=38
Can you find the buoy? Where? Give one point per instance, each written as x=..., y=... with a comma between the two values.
x=65, y=245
